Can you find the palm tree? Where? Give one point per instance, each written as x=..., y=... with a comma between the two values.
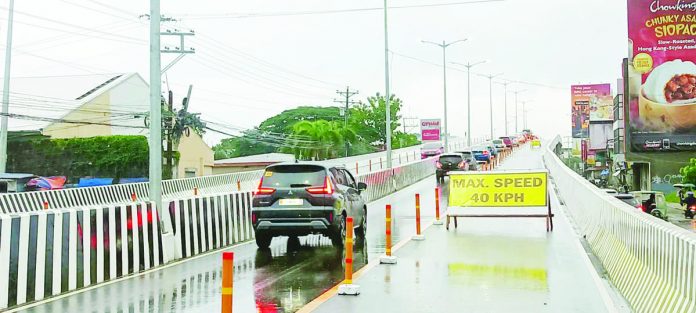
x=319, y=140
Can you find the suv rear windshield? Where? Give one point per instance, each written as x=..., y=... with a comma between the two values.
x=449, y=158
x=466, y=154
x=497, y=142
x=289, y=176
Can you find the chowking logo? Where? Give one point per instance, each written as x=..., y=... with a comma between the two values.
x=513, y=189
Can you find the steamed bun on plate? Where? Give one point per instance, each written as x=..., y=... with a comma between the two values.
x=672, y=82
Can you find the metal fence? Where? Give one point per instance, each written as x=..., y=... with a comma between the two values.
x=651, y=262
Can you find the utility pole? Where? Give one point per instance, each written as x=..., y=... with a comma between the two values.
x=490, y=96
x=347, y=94
x=468, y=66
x=155, y=106
x=169, y=128
x=387, y=95
x=444, y=46
x=516, y=92
x=6, y=91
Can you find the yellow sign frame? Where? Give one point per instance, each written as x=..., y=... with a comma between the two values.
x=499, y=189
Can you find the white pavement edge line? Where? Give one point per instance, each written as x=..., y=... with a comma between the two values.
x=120, y=279
x=609, y=302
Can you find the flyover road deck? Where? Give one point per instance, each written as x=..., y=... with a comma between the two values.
x=486, y=265
x=280, y=280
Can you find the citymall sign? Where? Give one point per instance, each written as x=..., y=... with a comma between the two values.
x=430, y=129
x=498, y=189
x=662, y=75
x=590, y=103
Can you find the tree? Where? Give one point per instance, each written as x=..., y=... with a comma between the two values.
x=688, y=172
x=318, y=140
x=369, y=120
x=403, y=140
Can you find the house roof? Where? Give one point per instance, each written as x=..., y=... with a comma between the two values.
x=260, y=159
x=39, y=101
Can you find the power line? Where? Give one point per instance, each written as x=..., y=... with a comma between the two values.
x=322, y=12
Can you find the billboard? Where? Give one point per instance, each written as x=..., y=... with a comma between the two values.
x=430, y=129
x=662, y=75
x=590, y=103
x=600, y=134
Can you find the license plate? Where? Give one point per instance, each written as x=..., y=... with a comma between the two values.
x=291, y=202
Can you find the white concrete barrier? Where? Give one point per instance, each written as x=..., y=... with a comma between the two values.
x=650, y=261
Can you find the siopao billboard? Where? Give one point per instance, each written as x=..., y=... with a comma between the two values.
x=662, y=75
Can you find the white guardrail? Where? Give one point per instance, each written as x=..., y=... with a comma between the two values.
x=651, y=262
x=178, y=188
x=46, y=253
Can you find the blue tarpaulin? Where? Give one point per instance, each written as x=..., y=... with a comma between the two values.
x=93, y=182
x=132, y=180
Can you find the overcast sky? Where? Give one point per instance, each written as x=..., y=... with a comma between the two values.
x=247, y=68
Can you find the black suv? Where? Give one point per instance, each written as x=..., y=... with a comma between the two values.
x=450, y=162
x=297, y=199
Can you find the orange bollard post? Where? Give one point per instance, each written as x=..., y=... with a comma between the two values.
x=356, y=168
x=370, y=165
x=134, y=197
x=380, y=164
x=399, y=158
x=239, y=185
x=45, y=205
x=348, y=288
x=195, y=191
x=227, y=281
x=418, y=235
x=437, y=221
x=388, y=258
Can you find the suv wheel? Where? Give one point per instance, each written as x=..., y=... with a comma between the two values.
x=362, y=230
x=263, y=241
x=339, y=236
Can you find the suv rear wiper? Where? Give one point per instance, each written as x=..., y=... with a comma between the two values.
x=299, y=185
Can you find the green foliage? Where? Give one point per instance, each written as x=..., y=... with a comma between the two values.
x=319, y=132
x=241, y=146
x=105, y=156
x=283, y=123
x=403, y=140
x=688, y=172
x=319, y=140
x=672, y=197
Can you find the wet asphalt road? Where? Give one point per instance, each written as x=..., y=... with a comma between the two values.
x=283, y=279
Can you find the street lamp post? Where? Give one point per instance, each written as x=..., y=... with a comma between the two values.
x=387, y=99
x=505, y=84
x=490, y=86
x=516, y=92
x=468, y=66
x=444, y=46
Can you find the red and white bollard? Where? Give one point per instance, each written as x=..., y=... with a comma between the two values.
x=418, y=235
x=388, y=258
x=437, y=221
x=348, y=288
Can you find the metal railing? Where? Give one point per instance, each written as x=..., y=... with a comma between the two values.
x=651, y=262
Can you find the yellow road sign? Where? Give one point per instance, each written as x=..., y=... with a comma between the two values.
x=498, y=189
x=536, y=143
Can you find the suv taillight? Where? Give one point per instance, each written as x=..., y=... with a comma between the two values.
x=485, y=152
x=462, y=164
x=327, y=189
x=263, y=191
x=438, y=164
